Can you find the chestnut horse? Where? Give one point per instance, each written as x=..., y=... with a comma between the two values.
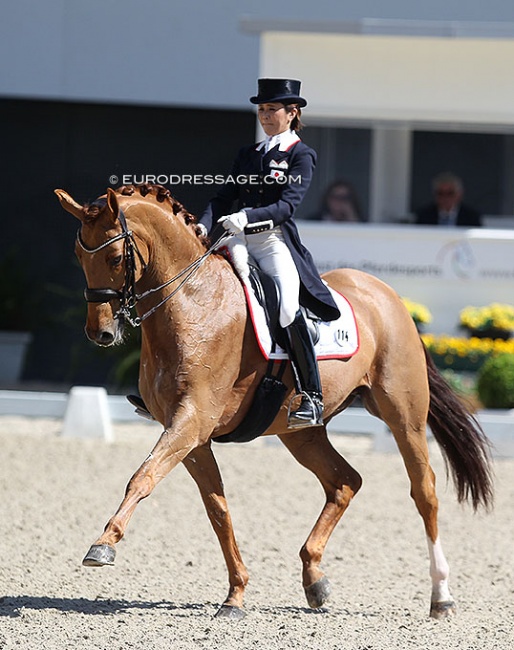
x=200, y=366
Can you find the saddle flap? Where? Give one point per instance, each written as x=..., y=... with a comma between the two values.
x=266, y=293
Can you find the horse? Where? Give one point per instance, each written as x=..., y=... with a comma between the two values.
x=200, y=367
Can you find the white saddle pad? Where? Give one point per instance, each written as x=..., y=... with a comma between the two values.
x=338, y=339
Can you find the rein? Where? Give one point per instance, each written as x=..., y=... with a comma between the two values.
x=128, y=296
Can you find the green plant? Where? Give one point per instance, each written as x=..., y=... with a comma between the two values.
x=495, y=382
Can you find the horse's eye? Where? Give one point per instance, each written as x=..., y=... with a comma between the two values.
x=116, y=261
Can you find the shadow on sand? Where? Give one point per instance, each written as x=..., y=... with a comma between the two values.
x=11, y=606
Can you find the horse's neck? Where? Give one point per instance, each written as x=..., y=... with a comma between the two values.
x=173, y=247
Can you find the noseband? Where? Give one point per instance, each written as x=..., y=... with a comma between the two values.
x=128, y=296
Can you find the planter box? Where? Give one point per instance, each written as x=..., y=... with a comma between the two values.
x=13, y=347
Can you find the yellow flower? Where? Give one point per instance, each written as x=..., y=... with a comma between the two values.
x=419, y=313
x=493, y=316
x=473, y=350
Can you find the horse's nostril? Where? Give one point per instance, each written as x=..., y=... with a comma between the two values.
x=105, y=337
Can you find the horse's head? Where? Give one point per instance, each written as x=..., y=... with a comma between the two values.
x=105, y=249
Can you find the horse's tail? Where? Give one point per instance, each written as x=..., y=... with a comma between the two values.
x=464, y=444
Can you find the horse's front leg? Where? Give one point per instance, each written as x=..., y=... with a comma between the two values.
x=170, y=450
x=203, y=468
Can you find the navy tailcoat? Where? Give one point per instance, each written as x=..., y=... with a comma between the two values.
x=256, y=183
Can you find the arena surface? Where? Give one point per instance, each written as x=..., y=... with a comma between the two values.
x=169, y=578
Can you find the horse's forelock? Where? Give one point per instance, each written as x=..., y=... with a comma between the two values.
x=92, y=210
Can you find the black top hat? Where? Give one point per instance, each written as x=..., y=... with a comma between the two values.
x=286, y=91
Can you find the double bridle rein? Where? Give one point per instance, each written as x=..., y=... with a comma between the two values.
x=128, y=295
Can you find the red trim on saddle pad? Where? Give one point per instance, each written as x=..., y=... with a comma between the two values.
x=338, y=339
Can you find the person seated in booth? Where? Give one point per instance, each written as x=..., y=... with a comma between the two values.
x=340, y=204
x=447, y=208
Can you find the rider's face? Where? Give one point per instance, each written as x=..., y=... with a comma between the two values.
x=274, y=117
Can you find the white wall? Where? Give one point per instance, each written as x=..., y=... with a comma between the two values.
x=402, y=78
x=155, y=52
x=182, y=52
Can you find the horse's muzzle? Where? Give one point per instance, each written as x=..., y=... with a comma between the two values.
x=108, y=333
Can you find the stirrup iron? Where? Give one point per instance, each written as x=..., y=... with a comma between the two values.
x=296, y=421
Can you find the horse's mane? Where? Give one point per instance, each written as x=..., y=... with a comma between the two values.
x=158, y=192
x=161, y=194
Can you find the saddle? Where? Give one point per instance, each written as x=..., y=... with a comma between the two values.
x=266, y=292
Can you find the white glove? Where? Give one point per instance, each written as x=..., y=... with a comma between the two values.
x=202, y=229
x=234, y=223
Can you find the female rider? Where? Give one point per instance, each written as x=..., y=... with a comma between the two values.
x=267, y=183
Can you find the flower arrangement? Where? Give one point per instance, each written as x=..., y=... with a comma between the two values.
x=419, y=313
x=493, y=321
x=463, y=354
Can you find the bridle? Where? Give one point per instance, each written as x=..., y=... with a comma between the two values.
x=128, y=295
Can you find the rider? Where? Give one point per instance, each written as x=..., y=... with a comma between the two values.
x=267, y=184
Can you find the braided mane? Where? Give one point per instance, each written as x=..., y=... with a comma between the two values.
x=161, y=194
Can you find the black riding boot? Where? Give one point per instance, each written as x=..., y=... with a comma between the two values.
x=141, y=408
x=306, y=374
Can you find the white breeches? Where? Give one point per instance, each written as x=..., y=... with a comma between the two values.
x=270, y=252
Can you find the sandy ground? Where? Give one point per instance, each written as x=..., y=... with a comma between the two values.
x=169, y=578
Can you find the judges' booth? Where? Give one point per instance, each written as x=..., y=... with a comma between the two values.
x=394, y=82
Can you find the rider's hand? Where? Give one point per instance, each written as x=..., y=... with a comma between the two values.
x=234, y=223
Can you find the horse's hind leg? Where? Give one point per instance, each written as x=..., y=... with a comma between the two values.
x=340, y=481
x=202, y=466
x=406, y=417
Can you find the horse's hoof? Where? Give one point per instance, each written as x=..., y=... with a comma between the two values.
x=229, y=611
x=444, y=609
x=318, y=593
x=99, y=555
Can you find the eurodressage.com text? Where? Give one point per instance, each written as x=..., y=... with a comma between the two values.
x=204, y=179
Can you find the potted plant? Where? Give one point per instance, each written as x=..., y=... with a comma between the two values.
x=16, y=316
x=419, y=313
x=494, y=321
x=495, y=384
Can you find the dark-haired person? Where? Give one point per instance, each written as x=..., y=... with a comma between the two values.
x=257, y=204
x=340, y=204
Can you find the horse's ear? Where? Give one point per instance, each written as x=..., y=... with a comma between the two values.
x=112, y=203
x=70, y=205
